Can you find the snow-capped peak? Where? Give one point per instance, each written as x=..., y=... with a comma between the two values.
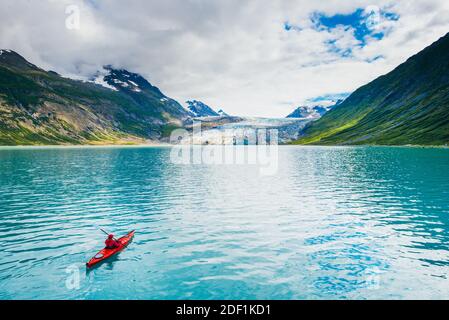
x=314, y=111
x=123, y=80
x=98, y=78
x=222, y=113
x=199, y=109
x=115, y=79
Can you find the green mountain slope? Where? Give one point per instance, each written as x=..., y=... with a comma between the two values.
x=409, y=105
x=40, y=107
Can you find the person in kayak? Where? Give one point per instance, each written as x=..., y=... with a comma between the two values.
x=111, y=243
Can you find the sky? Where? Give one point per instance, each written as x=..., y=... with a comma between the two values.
x=249, y=58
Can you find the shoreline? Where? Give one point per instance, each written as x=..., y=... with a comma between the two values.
x=158, y=145
x=374, y=146
x=85, y=146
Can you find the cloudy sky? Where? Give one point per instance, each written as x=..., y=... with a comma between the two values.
x=259, y=58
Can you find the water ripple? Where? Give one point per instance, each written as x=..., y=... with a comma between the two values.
x=333, y=223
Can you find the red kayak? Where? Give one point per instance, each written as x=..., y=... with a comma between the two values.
x=105, y=253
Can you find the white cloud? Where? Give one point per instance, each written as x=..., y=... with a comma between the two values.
x=230, y=54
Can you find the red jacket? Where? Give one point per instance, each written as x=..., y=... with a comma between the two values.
x=111, y=243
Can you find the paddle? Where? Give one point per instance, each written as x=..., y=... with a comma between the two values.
x=107, y=234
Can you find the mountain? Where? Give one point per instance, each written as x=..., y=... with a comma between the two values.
x=199, y=109
x=222, y=113
x=41, y=107
x=144, y=93
x=409, y=105
x=314, y=112
x=303, y=112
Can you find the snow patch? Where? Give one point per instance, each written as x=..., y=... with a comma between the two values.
x=99, y=79
x=222, y=113
x=4, y=50
x=136, y=86
x=103, y=83
x=123, y=84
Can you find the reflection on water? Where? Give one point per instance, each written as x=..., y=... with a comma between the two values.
x=332, y=223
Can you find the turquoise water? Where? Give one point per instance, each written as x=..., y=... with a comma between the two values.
x=333, y=223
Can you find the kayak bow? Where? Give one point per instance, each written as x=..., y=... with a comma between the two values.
x=106, y=253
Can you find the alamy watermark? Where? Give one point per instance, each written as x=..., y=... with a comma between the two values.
x=72, y=21
x=372, y=278
x=73, y=279
x=373, y=17
x=245, y=146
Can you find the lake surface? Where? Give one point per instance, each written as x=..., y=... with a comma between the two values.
x=332, y=223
